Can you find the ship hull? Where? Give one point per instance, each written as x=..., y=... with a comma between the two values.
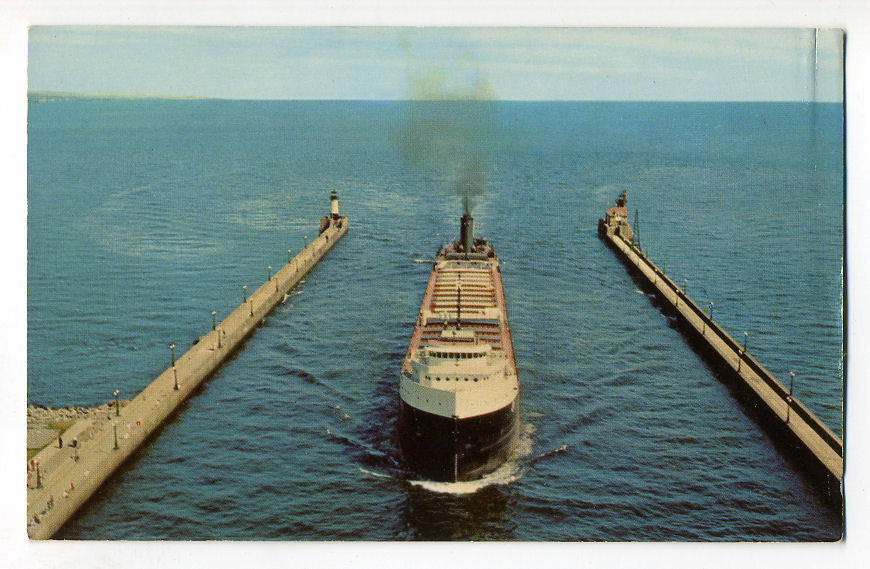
x=449, y=450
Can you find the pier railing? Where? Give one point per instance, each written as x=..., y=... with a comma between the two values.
x=62, y=491
x=797, y=406
x=813, y=435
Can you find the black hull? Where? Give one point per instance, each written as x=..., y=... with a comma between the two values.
x=451, y=450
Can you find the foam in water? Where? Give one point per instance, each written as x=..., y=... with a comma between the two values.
x=505, y=474
x=373, y=473
x=510, y=471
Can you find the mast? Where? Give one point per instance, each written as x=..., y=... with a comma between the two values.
x=458, y=306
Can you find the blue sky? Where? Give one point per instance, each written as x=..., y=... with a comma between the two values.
x=397, y=63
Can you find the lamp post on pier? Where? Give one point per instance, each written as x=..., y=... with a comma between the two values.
x=741, y=353
x=711, y=311
x=269, y=273
x=172, y=351
x=175, y=374
x=789, y=399
x=244, y=293
x=212, y=319
x=117, y=408
x=686, y=287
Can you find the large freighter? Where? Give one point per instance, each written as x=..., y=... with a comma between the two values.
x=458, y=390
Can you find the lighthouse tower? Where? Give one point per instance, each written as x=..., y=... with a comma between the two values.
x=333, y=198
x=334, y=218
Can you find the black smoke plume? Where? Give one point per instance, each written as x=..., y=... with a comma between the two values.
x=449, y=130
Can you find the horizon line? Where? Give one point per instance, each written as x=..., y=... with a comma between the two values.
x=122, y=95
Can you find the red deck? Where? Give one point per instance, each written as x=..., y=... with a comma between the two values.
x=481, y=288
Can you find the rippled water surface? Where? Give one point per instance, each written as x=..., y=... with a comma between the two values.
x=144, y=216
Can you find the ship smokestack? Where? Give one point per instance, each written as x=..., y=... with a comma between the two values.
x=333, y=198
x=466, y=229
x=467, y=232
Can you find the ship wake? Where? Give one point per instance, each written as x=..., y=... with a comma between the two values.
x=511, y=471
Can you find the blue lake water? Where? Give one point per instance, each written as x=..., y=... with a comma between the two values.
x=146, y=215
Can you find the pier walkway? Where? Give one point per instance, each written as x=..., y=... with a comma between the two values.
x=788, y=418
x=66, y=483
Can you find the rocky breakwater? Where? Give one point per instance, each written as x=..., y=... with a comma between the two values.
x=46, y=425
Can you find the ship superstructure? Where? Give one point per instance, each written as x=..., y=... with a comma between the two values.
x=458, y=390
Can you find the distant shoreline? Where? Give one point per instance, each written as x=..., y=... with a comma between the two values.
x=50, y=96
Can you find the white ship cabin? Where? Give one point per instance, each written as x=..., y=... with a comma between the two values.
x=457, y=361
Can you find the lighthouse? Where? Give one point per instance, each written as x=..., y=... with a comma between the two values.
x=333, y=199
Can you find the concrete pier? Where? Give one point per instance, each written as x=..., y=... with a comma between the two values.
x=817, y=450
x=68, y=476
